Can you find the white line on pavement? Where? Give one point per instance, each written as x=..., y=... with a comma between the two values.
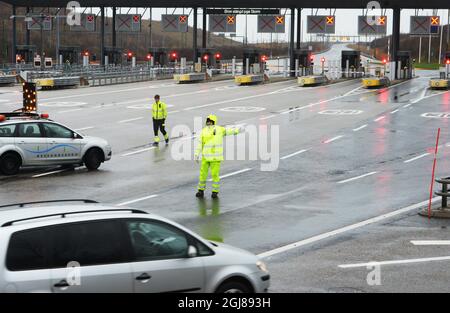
x=267, y=117
x=138, y=151
x=131, y=120
x=234, y=173
x=395, y=262
x=416, y=158
x=68, y=111
x=379, y=119
x=342, y=230
x=136, y=200
x=359, y=128
x=395, y=111
x=84, y=128
x=49, y=173
x=407, y=105
x=430, y=242
x=171, y=112
x=333, y=139
x=293, y=154
x=355, y=178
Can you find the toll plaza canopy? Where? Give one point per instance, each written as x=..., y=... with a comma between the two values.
x=338, y=4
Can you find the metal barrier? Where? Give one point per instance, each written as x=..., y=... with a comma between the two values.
x=444, y=191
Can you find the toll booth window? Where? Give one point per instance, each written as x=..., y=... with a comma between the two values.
x=7, y=130
x=57, y=131
x=29, y=130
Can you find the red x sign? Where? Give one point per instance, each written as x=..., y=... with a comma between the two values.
x=136, y=18
x=279, y=19
x=435, y=20
x=230, y=19
x=330, y=20
x=90, y=18
x=218, y=22
x=183, y=19
x=317, y=23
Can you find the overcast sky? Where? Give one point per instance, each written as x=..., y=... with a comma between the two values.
x=346, y=21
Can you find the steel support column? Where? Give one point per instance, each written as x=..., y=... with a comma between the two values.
x=14, y=35
x=291, y=44
x=395, y=38
x=194, y=36
x=204, y=29
x=299, y=28
x=27, y=31
x=114, y=38
x=102, y=34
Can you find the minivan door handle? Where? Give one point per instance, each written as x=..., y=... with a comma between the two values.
x=143, y=277
x=62, y=284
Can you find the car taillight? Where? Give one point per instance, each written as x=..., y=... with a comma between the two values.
x=45, y=115
x=2, y=118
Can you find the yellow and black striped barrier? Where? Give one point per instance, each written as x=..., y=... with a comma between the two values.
x=375, y=82
x=439, y=83
x=305, y=81
x=249, y=79
x=190, y=77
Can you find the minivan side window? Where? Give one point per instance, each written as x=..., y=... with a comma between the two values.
x=152, y=240
x=7, y=130
x=88, y=243
x=27, y=250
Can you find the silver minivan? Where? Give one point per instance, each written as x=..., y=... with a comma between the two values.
x=29, y=139
x=65, y=247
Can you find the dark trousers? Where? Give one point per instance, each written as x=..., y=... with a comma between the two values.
x=159, y=125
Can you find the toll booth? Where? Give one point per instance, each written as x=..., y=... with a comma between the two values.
x=404, y=64
x=70, y=54
x=159, y=57
x=351, y=64
x=302, y=59
x=113, y=56
x=25, y=53
x=251, y=62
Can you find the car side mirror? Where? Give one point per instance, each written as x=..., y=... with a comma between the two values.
x=192, y=252
x=76, y=136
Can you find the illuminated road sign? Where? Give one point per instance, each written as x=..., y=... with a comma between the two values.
x=174, y=23
x=424, y=25
x=372, y=25
x=321, y=24
x=128, y=23
x=222, y=23
x=271, y=23
x=35, y=24
x=87, y=24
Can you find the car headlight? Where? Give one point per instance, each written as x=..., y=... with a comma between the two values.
x=262, y=266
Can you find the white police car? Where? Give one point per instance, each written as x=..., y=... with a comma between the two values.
x=30, y=139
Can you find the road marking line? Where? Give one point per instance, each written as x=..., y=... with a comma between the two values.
x=416, y=158
x=407, y=261
x=49, y=173
x=136, y=200
x=68, y=111
x=359, y=128
x=395, y=111
x=333, y=139
x=407, y=105
x=173, y=112
x=138, y=151
x=345, y=229
x=379, y=119
x=293, y=154
x=430, y=242
x=267, y=117
x=426, y=97
x=233, y=173
x=355, y=178
x=131, y=120
x=84, y=128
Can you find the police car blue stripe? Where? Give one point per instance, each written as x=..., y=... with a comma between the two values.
x=52, y=148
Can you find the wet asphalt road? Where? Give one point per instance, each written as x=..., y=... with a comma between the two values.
x=347, y=154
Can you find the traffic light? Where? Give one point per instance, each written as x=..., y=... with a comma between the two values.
x=205, y=58
x=129, y=56
x=264, y=58
x=311, y=59
x=29, y=97
x=173, y=56
x=447, y=61
x=322, y=60
x=18, y=58
x=86, y=53
x=218, y=57
x=149, y=56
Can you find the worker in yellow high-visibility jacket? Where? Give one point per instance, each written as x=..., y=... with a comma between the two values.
x=159, y=115
x=210, y=149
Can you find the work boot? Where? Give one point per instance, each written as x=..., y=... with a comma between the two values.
x=167, y=141
x=200, y=194
x=215, y=195
x=155, y=144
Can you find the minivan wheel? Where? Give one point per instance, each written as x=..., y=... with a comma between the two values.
x=93, y=159
x=10, y=164
x=233, y=287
